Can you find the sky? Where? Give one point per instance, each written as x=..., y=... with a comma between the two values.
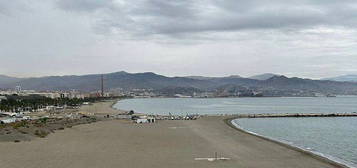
x=304, y=38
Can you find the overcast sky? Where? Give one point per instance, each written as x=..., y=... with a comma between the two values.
x=305, y=38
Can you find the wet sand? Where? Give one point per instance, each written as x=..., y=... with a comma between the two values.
x=174, y=144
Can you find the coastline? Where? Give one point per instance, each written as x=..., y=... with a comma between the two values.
x=229, y=122
x=320, y=156
x=167, y=143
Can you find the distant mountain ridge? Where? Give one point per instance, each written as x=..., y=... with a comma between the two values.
x=7, y=79
x=210, y=78
x=343, y=78
x=264, y=76
x=123, y=80
x=148, y=80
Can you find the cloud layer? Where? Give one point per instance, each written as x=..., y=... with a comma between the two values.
x=172, y=17
x=310, y=38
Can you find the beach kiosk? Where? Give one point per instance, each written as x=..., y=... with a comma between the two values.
x=145, y=119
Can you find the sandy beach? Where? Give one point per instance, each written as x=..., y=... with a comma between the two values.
x=174, y=144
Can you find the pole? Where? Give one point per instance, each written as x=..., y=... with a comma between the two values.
x=102, y=78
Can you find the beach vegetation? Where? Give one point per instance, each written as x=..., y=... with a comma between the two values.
x=41, y=133
x=43, y=120
x=20, y=124
x=15, y=103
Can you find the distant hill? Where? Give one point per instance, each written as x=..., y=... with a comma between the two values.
x=322, y=86
x=264, y=76
x=116, y=80
x=199, y=77
x=7, y=79
x=274, y=85
x=211, y=78
x=343, y=78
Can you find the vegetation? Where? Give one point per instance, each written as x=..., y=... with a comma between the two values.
x=34, y=103
x=41, y=133
x=17, y=125
x=43, y=120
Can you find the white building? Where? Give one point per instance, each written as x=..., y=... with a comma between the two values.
x=145, y=120
x=8, y=120
x=2, y=98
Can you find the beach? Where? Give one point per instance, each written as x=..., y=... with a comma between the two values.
x=121, y=143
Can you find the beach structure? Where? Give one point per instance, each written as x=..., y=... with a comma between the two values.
x=86, y=103
x=141, y=120
x=279, y=115
x=8, y=120
x=144, y=119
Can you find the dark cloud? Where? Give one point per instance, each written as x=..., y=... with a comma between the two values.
x=310, y=38
x=171, y=9
x=85, y=5
x=170, y=17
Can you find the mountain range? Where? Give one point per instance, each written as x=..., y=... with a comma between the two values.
x=7, y=80
x=344, y=78
x=149, y=80
x=264, y=76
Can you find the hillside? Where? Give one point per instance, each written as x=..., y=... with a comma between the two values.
x=7, y=79
x=116, y=80
x=275, y=85
x=264, y=76
x=343, y=78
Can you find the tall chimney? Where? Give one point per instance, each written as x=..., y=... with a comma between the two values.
x=102, y=78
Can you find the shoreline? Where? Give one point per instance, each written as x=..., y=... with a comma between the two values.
x=166, y=143
x=230, y=119
x=288, y=143
x=229, y=122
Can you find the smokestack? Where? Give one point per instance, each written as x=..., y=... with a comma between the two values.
x=102, y=77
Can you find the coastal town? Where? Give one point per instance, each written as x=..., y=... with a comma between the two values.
x=17, y=104
x=27, y=115
x=30, y=109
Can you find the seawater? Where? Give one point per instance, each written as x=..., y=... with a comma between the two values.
x=335, y=138
x=239, y=105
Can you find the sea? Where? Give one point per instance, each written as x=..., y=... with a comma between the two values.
x=334, y=138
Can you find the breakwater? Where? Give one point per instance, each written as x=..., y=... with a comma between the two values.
x=264, y=115
x=354, y=114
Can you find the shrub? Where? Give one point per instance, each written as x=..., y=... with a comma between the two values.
x=41, y=133
x=22, y=131
x=43, y=120
x=17, y=125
